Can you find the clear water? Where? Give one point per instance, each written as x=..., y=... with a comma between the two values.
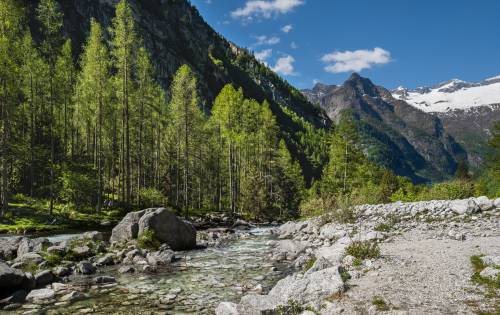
x=199, y=281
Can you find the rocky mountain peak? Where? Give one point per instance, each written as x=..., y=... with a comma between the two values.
x=362, y=85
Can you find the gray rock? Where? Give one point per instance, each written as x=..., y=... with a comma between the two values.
x=291, y=249
x=32, y=245
x=160, y=258
x=496, y=203
x=104, y=280
x=93, y=236
x=40, y=295
x=106, y=260
x=43, y=278
x=8, y=247
x=490, y=272
x=10, y=278
x=126, y=269
x=466, y=206
x=17, y=297
x=226, y=308
x=82, y=251
x=62, y=271
x=86, y=268
x=57, y=250
x=29, y=258
x=128, y=228
x=484, y=203
x=72, y=297
x=169, y=229
x=491, y=260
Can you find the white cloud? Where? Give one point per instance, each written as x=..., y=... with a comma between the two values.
x=264, y=40
x=287, y=28
x=316, y=81
x=347, y=61
x=294, y=45
x=265, y=8
x=284, y=65
x=263, y=54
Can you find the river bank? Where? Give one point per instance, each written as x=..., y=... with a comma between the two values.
x=437, y=257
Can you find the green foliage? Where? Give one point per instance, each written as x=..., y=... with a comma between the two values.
x=148, y=240
x=363, y=250
x=380, y=304
x=293, y=307
x=309, y=264
x=79, y=185
x=478, y=266
x=151, y=197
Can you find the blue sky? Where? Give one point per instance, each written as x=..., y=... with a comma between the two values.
x=393, y=42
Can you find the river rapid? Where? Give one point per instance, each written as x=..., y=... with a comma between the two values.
x=195, y=284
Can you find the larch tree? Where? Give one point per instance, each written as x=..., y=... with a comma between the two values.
x=94, y=93
x=124, y=50
x=186, y=123
x=51, y=19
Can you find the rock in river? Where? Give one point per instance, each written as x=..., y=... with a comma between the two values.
x=168, y=228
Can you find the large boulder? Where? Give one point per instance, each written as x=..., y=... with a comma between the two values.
x=9, y=246
x=128, y=228
x=34, y=245
x=168, y=228
x=10, y=278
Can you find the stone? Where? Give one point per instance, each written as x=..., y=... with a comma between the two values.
x=72, y=297
x=93, y=236
x=104, y=280
x=61, y=272
x=86, y=268
x=29, y=258
x=17, y=297
x=484, y=203
x=291, y=249
x=82, y=251
x=465, y=206
x=32, y=245
x=169, y=229
x=106, y=260
x=43, y=278
x=57, y=250
x=226, y=308
x=10, y=278
x=57, y=287
x=128, y=228
x=160, y=258
x=491, y=273
x=40, y=295
x=491, y=260
x=496, y=203
x=8, y=247
x=126, y=269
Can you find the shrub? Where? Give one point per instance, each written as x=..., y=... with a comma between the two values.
x=148, y=240
x=380, y=304
x=151, y=197
x=79, y=185
x=363, y=250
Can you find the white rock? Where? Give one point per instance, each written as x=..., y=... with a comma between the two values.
x=40, y=295
x=226, y=308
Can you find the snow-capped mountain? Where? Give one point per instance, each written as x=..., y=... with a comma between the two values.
x=452, y=95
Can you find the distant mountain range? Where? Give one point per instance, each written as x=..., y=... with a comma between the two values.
x=420, y=133
x=452, y=95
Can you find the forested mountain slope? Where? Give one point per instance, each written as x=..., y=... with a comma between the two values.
x=174, y=34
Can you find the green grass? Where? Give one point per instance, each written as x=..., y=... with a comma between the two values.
x=309, y=264
x=363, y=250
x=30, y=215
x=380, y=304
x=148, y=240
x=357, y=262
x=383, y=227
x=492, y=285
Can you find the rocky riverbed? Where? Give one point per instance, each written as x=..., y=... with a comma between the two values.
x=438, y=257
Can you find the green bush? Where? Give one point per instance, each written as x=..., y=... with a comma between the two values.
x=151, y=197
x=310, y=263
x=79, y=185
x=148, y=240
x=363, y=250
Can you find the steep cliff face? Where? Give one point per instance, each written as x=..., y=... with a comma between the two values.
x=175, y=34
x=409, y=141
